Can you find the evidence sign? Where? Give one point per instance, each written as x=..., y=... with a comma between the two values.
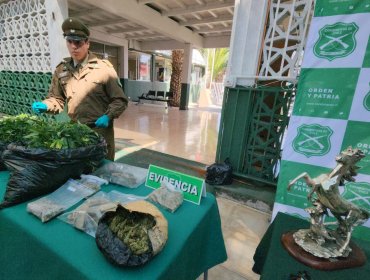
x=192, y=187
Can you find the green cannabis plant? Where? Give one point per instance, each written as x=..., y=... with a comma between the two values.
x=34, y=132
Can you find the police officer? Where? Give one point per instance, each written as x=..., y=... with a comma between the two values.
x=88, y=85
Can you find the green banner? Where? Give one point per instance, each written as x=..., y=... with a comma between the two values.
x=358, y=193
x=325, y=97
x=332, y=107
x=366, y=63
x=192, y=187
x=358, y=136
x=341, y=7
x=297, y=196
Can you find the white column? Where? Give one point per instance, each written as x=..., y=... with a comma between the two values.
x=245, y=43
x=57, y=12
x=186, y=76
x=186, y=64
x=123, y=62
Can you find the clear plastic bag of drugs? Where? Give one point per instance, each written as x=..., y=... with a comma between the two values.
x=93, y=182
x=122, y=174
x=167, y=196
x=86, y=216
x=53, y=204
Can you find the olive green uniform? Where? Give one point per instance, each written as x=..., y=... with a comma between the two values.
x=91, y=90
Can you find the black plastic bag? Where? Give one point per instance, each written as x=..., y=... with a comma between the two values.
x=219, y=173
x=38, y=171
x=2, y=149
x=133, y=234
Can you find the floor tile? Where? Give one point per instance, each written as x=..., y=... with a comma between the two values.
x=221, y=273
x=242, y=228
x=190, y=134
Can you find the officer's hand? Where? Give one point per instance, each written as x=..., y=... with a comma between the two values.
x=39, y=107
x=103, y=121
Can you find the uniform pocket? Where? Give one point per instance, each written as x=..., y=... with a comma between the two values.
x=98, y=87
x=64, y=83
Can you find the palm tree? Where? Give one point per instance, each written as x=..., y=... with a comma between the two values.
x=216, y=63
x=175, y=84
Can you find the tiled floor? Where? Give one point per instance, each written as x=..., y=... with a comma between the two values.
x=192, y=135
x=242, y=228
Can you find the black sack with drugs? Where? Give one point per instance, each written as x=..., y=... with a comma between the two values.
x=14, y=129
x=219, y=173
x=133, y=234
x=39, y=171
x=2, y=149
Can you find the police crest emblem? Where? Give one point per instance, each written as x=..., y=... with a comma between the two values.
x=358, y=193
x=336, y=40
x=312, y=140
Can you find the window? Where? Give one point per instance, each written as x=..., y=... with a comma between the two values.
x=144, y=67
x=105, y=52
x=162, y=68
x=139, y=66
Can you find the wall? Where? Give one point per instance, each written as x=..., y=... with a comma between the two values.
x=25, y=63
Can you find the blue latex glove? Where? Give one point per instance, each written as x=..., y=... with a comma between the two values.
x=39, y=107
x=103, y=121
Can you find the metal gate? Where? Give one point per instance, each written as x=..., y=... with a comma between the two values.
x=253, y=124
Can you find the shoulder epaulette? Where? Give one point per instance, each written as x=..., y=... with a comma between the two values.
x=107, y=62
x=94, y=64
x=64, y=61
x=60, y=63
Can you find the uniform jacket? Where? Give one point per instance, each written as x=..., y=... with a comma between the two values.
x=90, y=92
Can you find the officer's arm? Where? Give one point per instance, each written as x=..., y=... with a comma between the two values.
x=55, y=99
x=118, y=100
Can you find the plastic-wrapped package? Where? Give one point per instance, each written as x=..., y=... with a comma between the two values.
x=124, y=198
x=122, y=174
x=167, y=196
x=132, y=234
x=86, y=216
x=66, y=196
x=92, y=181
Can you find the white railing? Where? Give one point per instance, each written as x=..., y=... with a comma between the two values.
x=285, y=39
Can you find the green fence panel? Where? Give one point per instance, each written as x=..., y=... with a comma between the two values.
x=253, y=122
x=6, y=79
x=46, y=81
x=32, y=80
x=235, y=119
x=22, y=79
x=15, y=80
x=18, y=90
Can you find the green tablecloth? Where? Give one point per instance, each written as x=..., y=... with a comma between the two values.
x=273, y=262
x=56, y=250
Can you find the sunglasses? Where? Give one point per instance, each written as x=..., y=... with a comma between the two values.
x=76, y=43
